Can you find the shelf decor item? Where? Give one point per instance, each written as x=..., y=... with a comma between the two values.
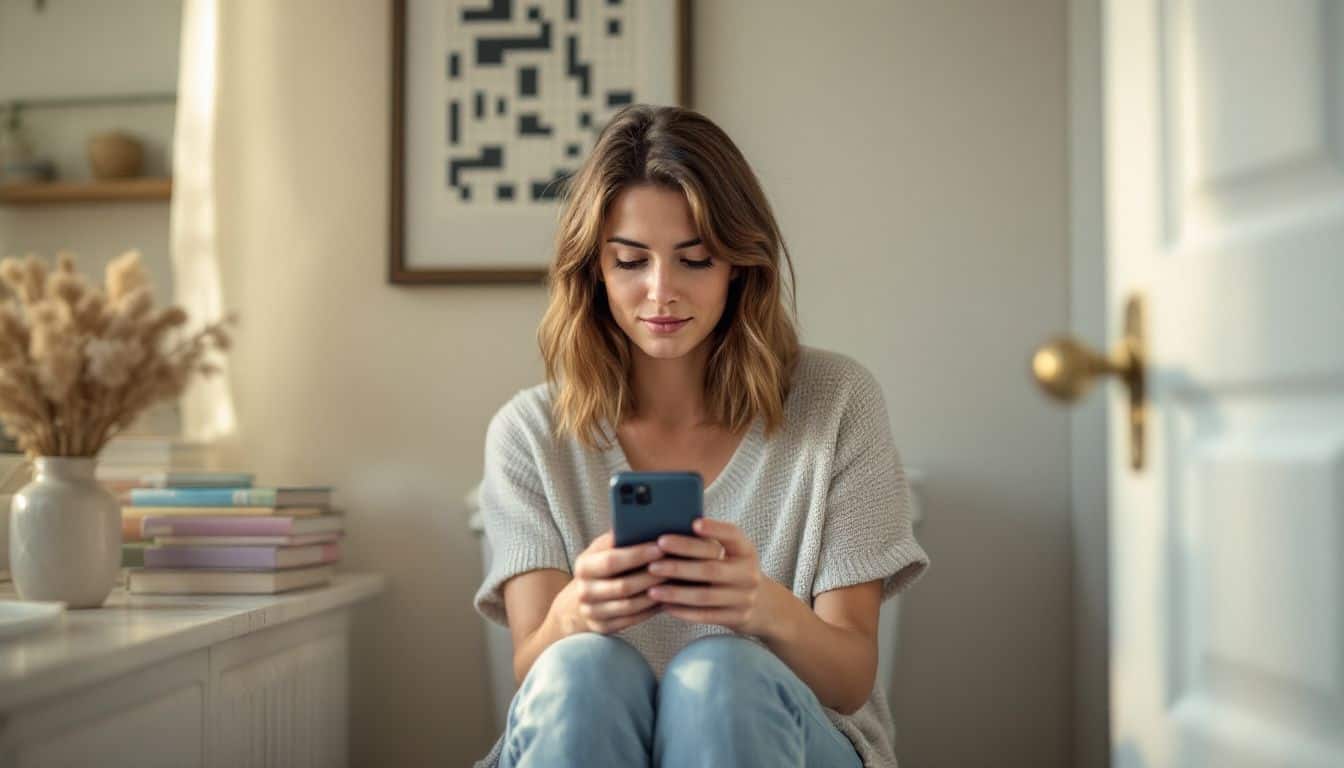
x=78, y=364
x=18, y=161
x=494, y=106
x=115, y=155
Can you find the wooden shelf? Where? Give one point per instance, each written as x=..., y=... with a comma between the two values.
x=59, y=192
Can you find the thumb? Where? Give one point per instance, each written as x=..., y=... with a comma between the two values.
x=605, y=541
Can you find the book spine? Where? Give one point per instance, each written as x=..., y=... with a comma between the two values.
x=196, y=480
x=211, y=557
x=203, y=497
x=216, y=526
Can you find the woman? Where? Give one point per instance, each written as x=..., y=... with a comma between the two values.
x=668, y=346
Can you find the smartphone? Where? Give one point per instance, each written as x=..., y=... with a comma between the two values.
x=645, y=505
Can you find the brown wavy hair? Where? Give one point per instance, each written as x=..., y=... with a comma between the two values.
x=755, y=344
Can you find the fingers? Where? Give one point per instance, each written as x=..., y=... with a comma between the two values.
x=615, y=609
x=714, y=597
x=739, y=572
x=735, y=542
x=610, y=562
x=600, y=590
x=690, y=546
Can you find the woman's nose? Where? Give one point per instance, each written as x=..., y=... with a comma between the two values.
x=662, y=283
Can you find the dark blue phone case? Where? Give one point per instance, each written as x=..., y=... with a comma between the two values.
x=676, y=500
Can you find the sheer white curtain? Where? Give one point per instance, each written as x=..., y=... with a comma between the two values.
x=207, y=405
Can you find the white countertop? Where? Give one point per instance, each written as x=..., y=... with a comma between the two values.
x=132, y=631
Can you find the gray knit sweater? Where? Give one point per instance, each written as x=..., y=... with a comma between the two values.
x=824, y=500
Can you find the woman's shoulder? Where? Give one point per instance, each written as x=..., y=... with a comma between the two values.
x=824, y=380
x=526, y=415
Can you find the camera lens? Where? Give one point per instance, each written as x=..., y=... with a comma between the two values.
x=642, y=495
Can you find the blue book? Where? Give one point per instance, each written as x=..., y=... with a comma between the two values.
x=199, y=479
x=299, y=496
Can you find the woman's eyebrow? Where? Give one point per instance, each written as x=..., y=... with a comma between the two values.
x=636, y=244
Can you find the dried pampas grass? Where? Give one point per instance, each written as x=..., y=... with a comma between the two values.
x=79, y=364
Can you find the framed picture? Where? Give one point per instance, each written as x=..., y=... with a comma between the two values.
x=495, y=103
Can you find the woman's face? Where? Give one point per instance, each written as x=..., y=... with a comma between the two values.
x=665, y=289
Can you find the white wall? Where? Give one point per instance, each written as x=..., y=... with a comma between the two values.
x=1088, y=439
x=82, y=48
x=916, y=156
x=339, y=377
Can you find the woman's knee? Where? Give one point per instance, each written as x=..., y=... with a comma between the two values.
x=720, y=670
x=588, y=660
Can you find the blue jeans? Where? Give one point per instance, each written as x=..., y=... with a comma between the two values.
x=592, y=700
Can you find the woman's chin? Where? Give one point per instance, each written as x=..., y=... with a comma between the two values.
x=667, y=348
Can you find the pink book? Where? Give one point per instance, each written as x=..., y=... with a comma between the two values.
x=240, y=557
x=248, y=541
x=219, y=525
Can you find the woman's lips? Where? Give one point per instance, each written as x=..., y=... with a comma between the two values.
x=664, y=326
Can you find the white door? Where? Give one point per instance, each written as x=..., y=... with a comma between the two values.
x=1224, y=182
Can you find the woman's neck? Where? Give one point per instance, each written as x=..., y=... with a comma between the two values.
x=670, y=393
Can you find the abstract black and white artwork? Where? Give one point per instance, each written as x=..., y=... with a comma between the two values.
x=495, y=104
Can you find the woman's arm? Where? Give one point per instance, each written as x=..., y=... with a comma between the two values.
x=833, y=646
x=532, y=623
x=606, y=594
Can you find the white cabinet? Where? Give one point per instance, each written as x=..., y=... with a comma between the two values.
x=151, y=718
x=280, y=697
x=185, y=681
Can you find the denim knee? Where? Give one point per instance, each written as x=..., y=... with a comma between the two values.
x=587, y=700
x=588, y=661
x=720, y=673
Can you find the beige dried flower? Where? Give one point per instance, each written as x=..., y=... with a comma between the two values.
x=89, y=316
x=111, y=361
x=78, y=365
x=34, y=278
x=124, y=274
x=11, y=271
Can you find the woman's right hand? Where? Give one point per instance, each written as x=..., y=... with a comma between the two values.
x=607, y=594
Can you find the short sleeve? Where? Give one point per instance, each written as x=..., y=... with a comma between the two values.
x=868, y=532
x=519, y=527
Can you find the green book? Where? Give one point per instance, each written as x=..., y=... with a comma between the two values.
x=133, y=554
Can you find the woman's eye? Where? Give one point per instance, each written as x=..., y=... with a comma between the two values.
x=693, y=264
x=637, y=263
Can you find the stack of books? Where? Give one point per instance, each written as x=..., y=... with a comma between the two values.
x=206, y=532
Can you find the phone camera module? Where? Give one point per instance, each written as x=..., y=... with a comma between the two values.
x=642, y=495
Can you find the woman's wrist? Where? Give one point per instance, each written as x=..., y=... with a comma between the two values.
x=779, y=614
x=563, y=620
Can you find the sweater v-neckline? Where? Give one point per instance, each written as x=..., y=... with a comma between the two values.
x=744, y=456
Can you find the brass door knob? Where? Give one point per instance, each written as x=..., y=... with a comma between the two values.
x=1066, y=369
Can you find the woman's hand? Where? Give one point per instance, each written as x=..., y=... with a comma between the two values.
x=734, y=593
x=602, y=597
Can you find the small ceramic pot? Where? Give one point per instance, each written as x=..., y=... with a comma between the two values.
x=65, y=534
x=115, y=155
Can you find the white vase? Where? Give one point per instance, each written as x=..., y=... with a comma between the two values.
x=65, y=534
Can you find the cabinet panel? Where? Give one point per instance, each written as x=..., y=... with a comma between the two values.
x=152, y=717
x=279, y=697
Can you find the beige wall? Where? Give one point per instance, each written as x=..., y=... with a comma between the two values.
x=135, y=45
x=915, y=153
x=916, y=156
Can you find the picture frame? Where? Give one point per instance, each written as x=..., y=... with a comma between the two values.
x=493, y=103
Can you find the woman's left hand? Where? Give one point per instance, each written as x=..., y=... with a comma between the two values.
x=734, y=591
